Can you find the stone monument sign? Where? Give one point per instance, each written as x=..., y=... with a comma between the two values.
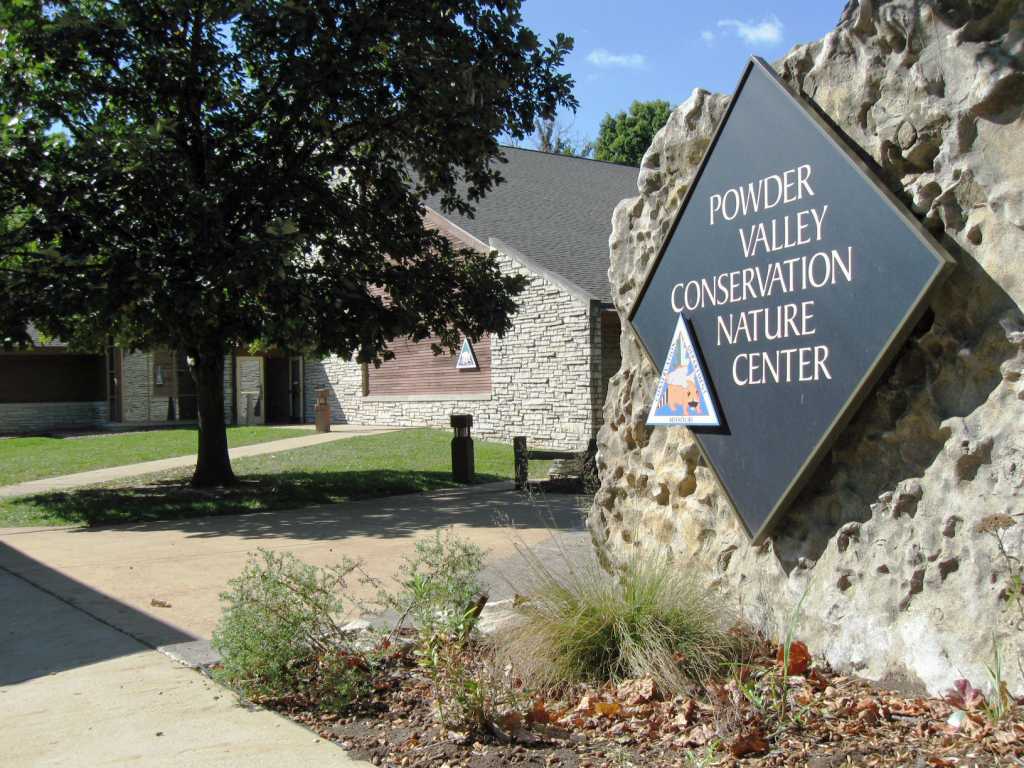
x=800, y=274
x=907, y=536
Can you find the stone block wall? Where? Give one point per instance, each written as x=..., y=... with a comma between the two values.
x=136, y=373
x=138, y=404
x=23, y=418
x=546, y=377
x=899, y=539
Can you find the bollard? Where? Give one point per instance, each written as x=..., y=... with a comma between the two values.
x=522, y=461
x=322, y=411
x=463, y=470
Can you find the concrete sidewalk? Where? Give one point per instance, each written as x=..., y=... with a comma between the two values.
x=78, y=683
x=76, y=692
x=79, y=479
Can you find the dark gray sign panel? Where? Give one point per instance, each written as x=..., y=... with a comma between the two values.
x=800, y=275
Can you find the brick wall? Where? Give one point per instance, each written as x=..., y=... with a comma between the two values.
x=546, y=376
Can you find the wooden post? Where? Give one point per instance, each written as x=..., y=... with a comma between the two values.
x=463, y=469
x=522, y=462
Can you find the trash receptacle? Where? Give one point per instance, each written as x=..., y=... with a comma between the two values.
x=322, y=411
x=463, y=470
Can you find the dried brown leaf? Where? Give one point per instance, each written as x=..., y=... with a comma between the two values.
x=588, y=703
x=799, y=658
x=749, y=742
x=607, y=708
x=538, y=712
x=510, y=720
x=634, y=692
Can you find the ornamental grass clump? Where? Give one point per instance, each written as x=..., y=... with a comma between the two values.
x=577, y=623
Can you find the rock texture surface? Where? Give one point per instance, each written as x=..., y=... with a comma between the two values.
x=907, y=538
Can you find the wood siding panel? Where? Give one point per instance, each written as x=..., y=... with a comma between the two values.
x=417, y=371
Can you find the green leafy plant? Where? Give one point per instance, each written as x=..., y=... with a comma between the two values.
x=278, y=634
x=442, y=595
x=439, y=584
x=997, y=706
x=995, y=526
x=770, y=692
x=577, y=623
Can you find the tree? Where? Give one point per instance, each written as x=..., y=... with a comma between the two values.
x=252, y=171
x=555, y=137
x=624, y=138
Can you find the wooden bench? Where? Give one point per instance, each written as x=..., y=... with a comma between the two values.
x=523, y=455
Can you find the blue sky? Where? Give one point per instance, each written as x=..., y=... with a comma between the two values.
x=663, y=49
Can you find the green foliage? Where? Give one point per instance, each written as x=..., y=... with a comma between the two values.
x=996, y=526
x=771, y=690
x=278, y=634
x=253, y=172
x=625, y=138
x=578, y=623
x=999, y=704
x=439, y=589
x=439, y=584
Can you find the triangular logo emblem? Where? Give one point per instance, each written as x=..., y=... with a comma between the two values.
x=467, y=360
x=682, y=396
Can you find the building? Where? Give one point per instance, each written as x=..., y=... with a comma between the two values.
x=546, y=379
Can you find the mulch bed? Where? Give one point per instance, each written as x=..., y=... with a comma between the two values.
x=811, y=717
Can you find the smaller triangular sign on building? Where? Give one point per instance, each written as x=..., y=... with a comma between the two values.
x=683, y=396
x=467, y=360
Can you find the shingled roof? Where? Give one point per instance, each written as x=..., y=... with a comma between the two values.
x=555, y=210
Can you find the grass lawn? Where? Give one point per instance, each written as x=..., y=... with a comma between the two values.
x=344, y=470
x=33, y=458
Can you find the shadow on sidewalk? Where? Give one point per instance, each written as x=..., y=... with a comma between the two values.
x=387, y=518
x=50, y=622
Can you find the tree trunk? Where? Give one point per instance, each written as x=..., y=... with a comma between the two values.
x=213, y=467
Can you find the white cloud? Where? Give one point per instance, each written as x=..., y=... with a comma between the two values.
x=768, y=31
x=602, y=58
x=707, y=36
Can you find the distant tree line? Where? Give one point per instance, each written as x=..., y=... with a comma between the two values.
x=622, y=138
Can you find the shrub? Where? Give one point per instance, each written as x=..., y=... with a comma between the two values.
x=278, y=636
x=579, y=624
x=439, y=585
x=440, y=592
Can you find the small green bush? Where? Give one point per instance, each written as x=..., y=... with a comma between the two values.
x=440, y=591
x=438, y=586
x=580, y=624
x=278, y=635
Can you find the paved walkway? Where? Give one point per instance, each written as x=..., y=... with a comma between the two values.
x=79, y=479
x=80, y=681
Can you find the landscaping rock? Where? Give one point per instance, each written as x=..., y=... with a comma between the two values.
x=906, y=539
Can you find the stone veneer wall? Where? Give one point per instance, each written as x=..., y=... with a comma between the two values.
x=907, y=537
x=545, y=376
x=136, y=385
x=137, y=405
x=22, y=418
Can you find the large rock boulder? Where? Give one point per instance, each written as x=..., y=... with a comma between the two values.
x=907, y=538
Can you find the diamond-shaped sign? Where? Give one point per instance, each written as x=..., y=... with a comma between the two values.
x=800, y=275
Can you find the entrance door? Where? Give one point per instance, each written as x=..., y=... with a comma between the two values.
x=249, y=387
